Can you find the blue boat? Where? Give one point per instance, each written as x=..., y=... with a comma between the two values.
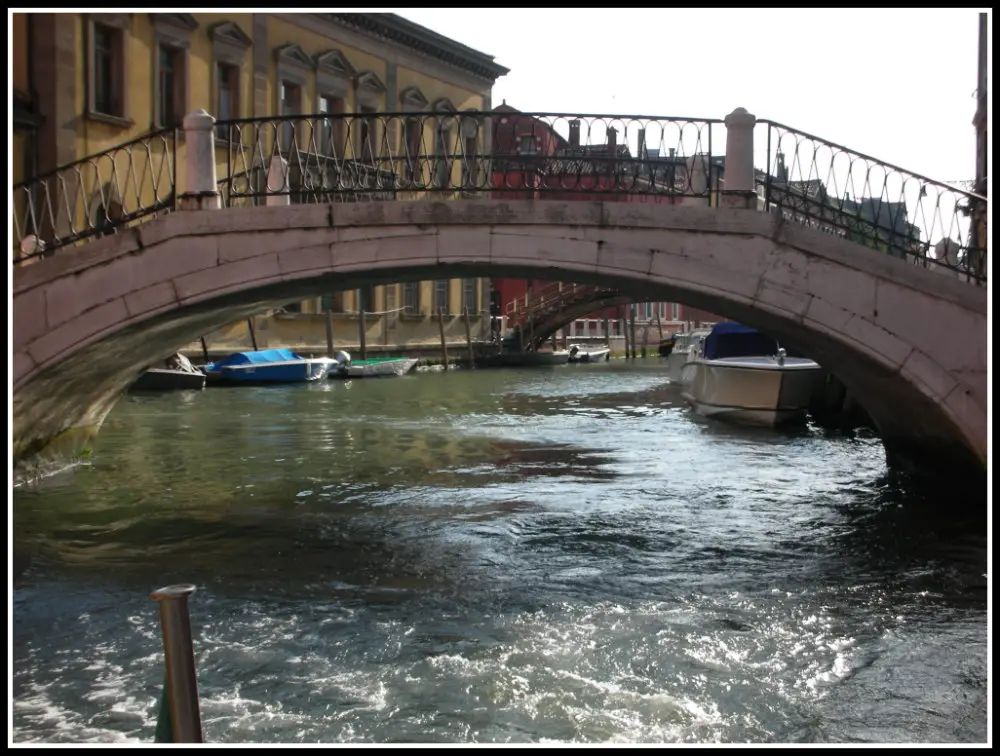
x=267, y=366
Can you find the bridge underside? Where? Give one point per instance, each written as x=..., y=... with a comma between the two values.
x=850, y=310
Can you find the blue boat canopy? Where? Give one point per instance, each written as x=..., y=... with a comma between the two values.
x=262, y=357
x=736, y=340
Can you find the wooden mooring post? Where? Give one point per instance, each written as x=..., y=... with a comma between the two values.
x=468, y=337
x=632, y=330
x=362, y=345
x=329, y=333
x=253, y=336
x=444, y=344
x=645, y=338
x=204, y=350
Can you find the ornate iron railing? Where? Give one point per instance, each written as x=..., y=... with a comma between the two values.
x=95, y=196
x=903, y=214
x=503, y=154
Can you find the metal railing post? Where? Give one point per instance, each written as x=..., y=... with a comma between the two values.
x=178, y=649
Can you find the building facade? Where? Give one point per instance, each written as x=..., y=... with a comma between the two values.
x=86, y=82
x=532, y=161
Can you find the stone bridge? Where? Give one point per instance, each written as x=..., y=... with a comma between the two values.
x=910, y=343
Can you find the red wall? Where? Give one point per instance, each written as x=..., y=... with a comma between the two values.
x=520, y=184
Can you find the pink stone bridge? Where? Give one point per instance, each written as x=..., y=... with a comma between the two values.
x=910, y=343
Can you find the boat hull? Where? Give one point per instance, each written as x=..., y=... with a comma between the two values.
x=160, y=379
x=375, y=369
x=528, y=359
x=293, y=371
x=589, y=355
x=752, y=391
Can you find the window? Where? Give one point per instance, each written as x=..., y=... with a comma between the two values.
x=442, y=167
x=333, y=302
x=331, y=129
x=107, y=68
x=366, y=299
x=441, y=297
x=170, y=86
x=295, y=307
x=367, y=135
x=469, y=295
x=411, y=298
x=227, y=106
x=528, y=146
x=675, y=312
x=290, y=98
x=648, y=307
x=412, y=147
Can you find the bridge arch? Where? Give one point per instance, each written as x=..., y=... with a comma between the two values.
x=909, y=342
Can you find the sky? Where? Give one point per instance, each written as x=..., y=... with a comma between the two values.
x=895, y=84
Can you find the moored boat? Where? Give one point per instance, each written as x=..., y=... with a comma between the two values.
x=744, y=376
x=666, y=345
x=528, y=359
x=376, y=367
x=267, y=366
x=585, y=353
x=683, y=349
x=178, y=374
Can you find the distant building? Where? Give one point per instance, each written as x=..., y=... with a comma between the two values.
x=532, y=161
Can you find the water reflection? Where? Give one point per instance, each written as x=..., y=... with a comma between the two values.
x=497, y=556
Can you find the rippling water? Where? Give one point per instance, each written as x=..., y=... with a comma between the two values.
x=496, y=556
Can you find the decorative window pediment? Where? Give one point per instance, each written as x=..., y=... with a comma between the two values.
x=412, y=97
x=293, y=55
x=336, y=63
x=369, y=82
x=183, y=21
x=228, y=33
x=444, y=105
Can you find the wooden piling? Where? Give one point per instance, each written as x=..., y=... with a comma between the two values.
x=659, y=324
x=645, y=338
x=204, y=350
x=632, y=327
x=607, y=329
x=253, y=336
x=468, y=337
x=444, y=344
x=362, y=345
x=329, y=333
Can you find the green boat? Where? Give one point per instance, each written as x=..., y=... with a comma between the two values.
x=376, y=367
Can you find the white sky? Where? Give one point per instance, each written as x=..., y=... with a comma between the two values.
x=895, y=84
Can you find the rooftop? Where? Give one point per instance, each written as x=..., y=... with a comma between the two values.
x=394, y=28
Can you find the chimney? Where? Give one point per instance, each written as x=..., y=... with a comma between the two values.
x=612, y=141
x=780, y=170
x=574, y=133
x=673, y=151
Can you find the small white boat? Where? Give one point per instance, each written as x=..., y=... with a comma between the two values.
x=377, y=367
x=684, y=349
x=177, y=374
x=586, y=353
x=742, y=375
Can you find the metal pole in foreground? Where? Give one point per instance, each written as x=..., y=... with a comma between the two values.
x=182, y=683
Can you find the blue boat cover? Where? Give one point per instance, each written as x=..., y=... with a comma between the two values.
x=735, y=340
x=262, y=357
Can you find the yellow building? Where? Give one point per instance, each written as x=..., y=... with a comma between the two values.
x=85, y=82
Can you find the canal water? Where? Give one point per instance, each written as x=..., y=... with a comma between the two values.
x=561, y=554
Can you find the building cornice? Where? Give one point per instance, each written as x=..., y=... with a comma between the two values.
x=396, y=29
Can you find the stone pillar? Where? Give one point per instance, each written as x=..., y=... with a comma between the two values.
x=201, y=189
x=277, y=172
x=739, y=180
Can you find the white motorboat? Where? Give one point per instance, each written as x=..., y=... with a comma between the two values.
x=685, y=345
x=586, y=353
x=742, y=375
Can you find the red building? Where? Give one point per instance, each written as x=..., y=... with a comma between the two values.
x=533, y=161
